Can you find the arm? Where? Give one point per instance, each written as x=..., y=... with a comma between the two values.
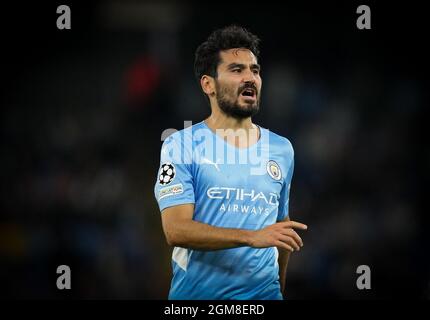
x=181, y=230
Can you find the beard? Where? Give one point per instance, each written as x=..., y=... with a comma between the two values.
x=228, y=101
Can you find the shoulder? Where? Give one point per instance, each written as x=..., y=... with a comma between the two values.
x=282, y=152
x=178, y=146
x=183, y=137
x=277, y=141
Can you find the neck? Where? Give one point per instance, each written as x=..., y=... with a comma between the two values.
x=215, y=122
x=219, y=120
x=244, y=134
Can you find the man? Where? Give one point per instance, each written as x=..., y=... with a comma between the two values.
x=223, y=185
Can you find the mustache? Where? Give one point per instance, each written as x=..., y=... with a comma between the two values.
x=247, y=86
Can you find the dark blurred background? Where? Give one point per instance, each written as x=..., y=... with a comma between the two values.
x=83, y=111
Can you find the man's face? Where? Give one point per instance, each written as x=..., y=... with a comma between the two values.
x=238, y=84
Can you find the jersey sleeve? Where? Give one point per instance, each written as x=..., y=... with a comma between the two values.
x=175, y=183
x=284, y=198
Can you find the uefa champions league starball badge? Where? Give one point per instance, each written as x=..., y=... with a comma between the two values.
x=167, y=173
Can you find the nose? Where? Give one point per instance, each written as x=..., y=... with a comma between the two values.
x=249, y=76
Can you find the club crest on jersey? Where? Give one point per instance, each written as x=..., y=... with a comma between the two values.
x=167, y=173
x=274, y=170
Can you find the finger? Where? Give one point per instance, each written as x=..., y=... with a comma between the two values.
x=283, y=245
x=295, y=224
x=292, y=233
x=290, y=241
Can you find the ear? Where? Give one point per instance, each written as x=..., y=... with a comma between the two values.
x=208, y=85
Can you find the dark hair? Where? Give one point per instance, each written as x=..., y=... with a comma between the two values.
x=207, y=55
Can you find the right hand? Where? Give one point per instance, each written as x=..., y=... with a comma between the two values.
x=280, y=234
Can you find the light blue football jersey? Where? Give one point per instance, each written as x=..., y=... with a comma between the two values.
x=244, y=188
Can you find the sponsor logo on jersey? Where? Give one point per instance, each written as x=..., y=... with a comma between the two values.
x=255, y=198
x=241, y=194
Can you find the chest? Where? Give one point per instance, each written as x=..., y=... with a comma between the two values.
x=238, y=182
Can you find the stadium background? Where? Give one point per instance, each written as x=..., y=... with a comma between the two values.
x=83, y=111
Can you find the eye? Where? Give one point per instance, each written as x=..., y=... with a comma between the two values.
x=256, y=71
x=236, y=70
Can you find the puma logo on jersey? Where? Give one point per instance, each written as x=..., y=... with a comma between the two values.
x=207, y=161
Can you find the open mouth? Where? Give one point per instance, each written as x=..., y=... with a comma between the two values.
x=248, y=92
